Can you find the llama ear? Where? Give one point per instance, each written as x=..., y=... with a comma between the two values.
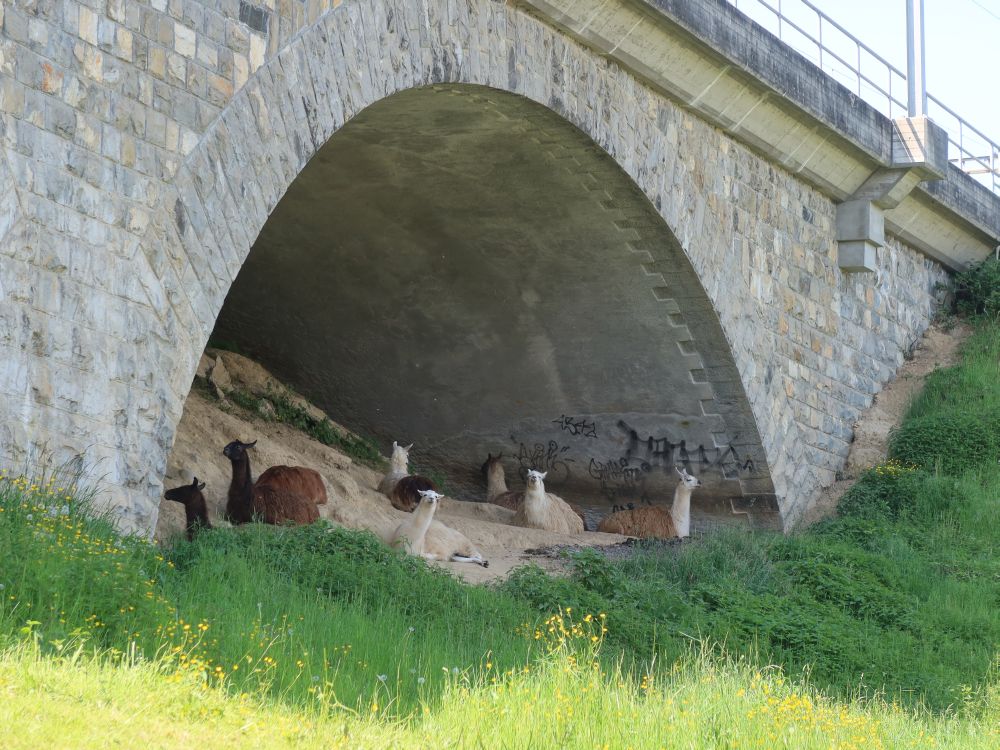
x=201, y=486
x=407, y=448
x=489, y=456
x=499, y=455
x=395, y=444
x=543, y=474
x=679, y=471
x=195, y=482
x=250, y=445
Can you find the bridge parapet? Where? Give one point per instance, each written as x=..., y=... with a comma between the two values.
x=716, y=62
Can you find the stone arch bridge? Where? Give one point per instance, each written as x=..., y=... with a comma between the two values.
x=605, y=238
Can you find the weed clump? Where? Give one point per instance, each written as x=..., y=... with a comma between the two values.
x=882, y=492
x=953, y=443
x=977, y=291
x=283, y=409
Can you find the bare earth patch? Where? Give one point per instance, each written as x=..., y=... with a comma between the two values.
x=208, y=424
x=937, y=348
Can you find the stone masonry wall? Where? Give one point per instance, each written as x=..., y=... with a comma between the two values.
x=143, y=145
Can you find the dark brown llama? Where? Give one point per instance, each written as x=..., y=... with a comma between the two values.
x=195, y=510
x=282, y=494
x=406, y=494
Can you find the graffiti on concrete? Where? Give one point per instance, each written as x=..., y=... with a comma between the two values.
x=550, y=457
x=640, y=470
x=663, y=453
x=620, y=477
x=577, y=426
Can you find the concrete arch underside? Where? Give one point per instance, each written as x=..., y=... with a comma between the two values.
x=460, y=267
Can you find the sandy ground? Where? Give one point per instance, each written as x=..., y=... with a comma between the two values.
x=208, y=425
x=937, y=348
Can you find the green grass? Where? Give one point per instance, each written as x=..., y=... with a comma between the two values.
x=79, y=701
x=279, y=610
x=294, y=414
x=892, y=604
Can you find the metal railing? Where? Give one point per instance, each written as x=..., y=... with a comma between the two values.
x=844, y=57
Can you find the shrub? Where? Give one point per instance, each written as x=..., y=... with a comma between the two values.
x=977, y=291
x=289, y=412
x=954, y=443
x=881, y=492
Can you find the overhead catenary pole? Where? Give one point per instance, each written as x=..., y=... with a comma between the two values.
x=916, y=84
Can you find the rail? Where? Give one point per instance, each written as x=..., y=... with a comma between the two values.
x=844, y=57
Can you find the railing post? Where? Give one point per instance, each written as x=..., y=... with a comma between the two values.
x=915, y=71
x=961, y=145
x=857, y=46
x=820, y=19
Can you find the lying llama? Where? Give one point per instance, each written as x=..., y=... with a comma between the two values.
x=412, y=535
x=195, y=510
x=540, y=510
x=498, y=494
x=496, y=481
x=402, y=488
x=398, y=468
x=656, y=522
x=281, y=494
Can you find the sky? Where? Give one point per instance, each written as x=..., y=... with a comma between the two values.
x=961, y=49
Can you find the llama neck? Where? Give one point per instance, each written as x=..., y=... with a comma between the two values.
x=496, y=482
x=398, y=464
x=535, y=501
x=680, y=511
x=196, y=514
x=423, y=516
x=239, y=505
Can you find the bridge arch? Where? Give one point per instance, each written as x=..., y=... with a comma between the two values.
x=334, y=70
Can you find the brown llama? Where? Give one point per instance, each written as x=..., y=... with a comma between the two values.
x=195, y=509
x=656, y=522
x=407, y=492
x=282, y=494
x=399, y=485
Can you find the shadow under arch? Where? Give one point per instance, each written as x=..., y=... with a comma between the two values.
x=461, y=267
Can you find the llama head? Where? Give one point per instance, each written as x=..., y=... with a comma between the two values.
x=535, y=478
x=400, y=454
x=237, y=450
x=688, y=480
x=491, y=465
x=429, y=496
x=185, y=492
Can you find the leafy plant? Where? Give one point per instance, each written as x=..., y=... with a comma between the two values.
x=285, y=410
x=954, y=442
x=977, y=291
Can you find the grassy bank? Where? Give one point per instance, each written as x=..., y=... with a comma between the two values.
x=889, y=610
x=898, y=595
x=78, y=701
